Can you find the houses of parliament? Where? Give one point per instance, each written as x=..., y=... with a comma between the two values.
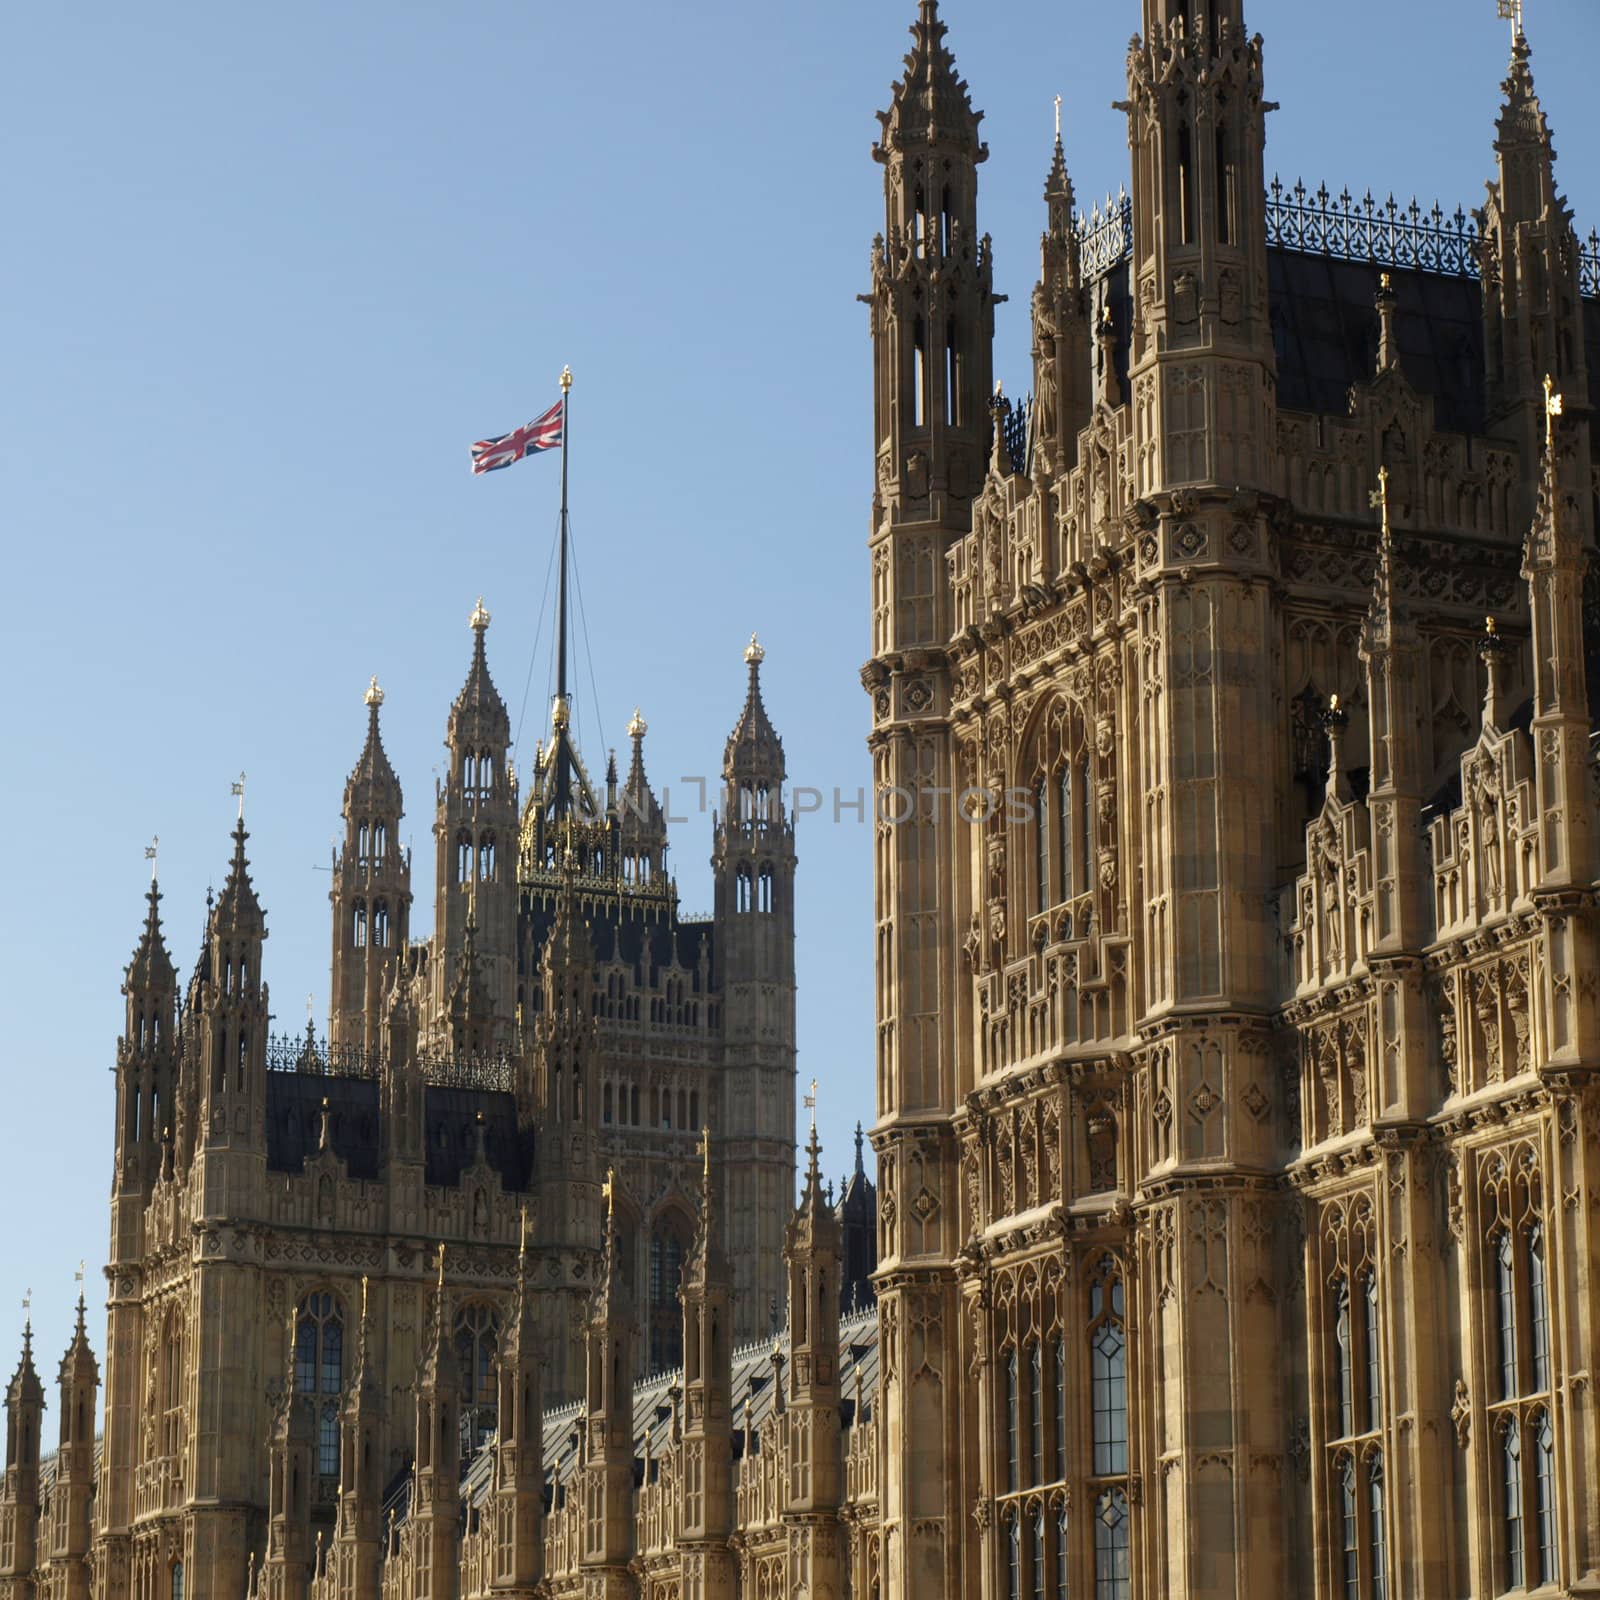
x=1234, y=1226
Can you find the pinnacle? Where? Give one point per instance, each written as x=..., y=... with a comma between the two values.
x=931, y=102
x=753, y=735
x=237, y=905
x=373, y=772
x=151, y=966
x=479, y=716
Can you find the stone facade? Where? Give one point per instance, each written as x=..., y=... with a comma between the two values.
x=1238, y=1135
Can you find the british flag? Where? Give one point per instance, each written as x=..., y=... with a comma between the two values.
x=544, y=433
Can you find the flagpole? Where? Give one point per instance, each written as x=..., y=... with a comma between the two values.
x=564, y=710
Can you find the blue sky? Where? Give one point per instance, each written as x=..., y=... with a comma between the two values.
x=270, y=270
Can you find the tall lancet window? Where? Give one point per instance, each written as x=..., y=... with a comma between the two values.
x=1109, y=1373
x=1041, y=839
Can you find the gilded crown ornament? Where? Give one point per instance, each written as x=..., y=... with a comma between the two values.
x=754, y=655
x=374, y=695
x=637, y=726
x=479, y=620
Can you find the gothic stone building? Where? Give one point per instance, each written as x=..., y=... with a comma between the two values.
x=1238, y=998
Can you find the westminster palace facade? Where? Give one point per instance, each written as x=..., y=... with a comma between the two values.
x=1236, y=1223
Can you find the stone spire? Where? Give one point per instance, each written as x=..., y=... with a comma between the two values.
x=19, y=1491
x=608, y=1520
x=931, y=105
x=359, y=1532
x=519, y=1446
x=1063, y=367
x=72, y=1496
x=642, y=826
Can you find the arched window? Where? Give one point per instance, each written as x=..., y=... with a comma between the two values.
x=319, y=1345
x=765, y=883
x=1538, y=1309
x=1063, y=1563
x=380, y=924
x=1511, y=1472
x=919, y=357
x=1036, y=1410
x=1505, y=1289
x=477, y=1345
x=1226, y=191
x=1013, y=1556
x=1058, y=1365
x=1013, y=1422
x=1371, y=1340
x=1111, y=1576
x=1084, y=875
x=358, y=926
x=1375, y=1532
x=328, y=1439
x=176, y=1586
x=1069, y=885
x=1349, y=1531
x=742, y=890
x=952, y=371
x=1343, y=1359
x=605, y=1103
x=1185, y=185
x=668, y=1247
x=1036, y=1561
x=1109, y=1371
x=1041, y=840
x=1544, y=1490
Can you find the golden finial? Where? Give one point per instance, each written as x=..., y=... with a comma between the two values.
x=1385, y=281
x=637, y=726
x=754, y=655
x=560, y=713
x=705, y=1153
x=1489, y=628
x=566, y=379
x=374, y=695
x=1379, y=498
x=999, y=391
x=479, y=620
x=1554, y=406
x=609, y=1190
x=1058, y=119
x=1333, y=702
x=522, y=1237
x=363, y=1297
x=441, y=1266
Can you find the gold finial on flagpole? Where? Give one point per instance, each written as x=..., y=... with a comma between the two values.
x=566, y=379
x=1555, y=405
x=1379, y=499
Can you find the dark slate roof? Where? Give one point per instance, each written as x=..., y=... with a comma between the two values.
x=294, y=1120
x=450, y=1121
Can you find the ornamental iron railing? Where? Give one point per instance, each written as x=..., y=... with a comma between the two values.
x=308, y=1054
x=1385, y=232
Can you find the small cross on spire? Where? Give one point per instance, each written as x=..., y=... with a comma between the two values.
x=150, y=854
x=1058, y=117
x=238, y=790
x=811, y=1106
x=1511, y=11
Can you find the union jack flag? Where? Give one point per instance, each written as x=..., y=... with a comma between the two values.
x=544, y=433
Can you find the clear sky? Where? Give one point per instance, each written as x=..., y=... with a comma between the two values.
x=269, y=270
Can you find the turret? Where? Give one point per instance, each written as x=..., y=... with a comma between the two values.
x=434, y=1523
x=72, y=1496
x=146, y=1078
x=233, y=1018
x=816, y=1462
x=608, y=1511
x=359, y=1536
x=706, y=1519
x=932, y=297
x=858, y=1234
x=753, y=867
x=518, y=1507
x=291, y=1458
x=1202, y=338
x=475, y=834
x=1063, y=366
x=371, y=893
x=19, y=1493
x=1532, y=311
x=642, y=826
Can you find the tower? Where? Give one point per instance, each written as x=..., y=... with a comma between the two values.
x=434, y=1522
x=931, y=307
x=359, y=1536
x=371, y=894
x=812, y=1255
x=72, y=1495
x=1063, y=371
x=707, y=1459
x=19, y=1493
x=475, y=835
x=608, y=1523
x=147, y=1112
x=753, y=864
x=1202, y=375
x=1532, y=311
x=519, y=1447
